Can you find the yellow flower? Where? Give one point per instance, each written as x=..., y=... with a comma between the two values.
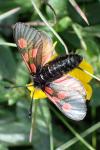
x=38, y=93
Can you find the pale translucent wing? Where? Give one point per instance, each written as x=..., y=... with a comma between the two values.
x=68, y=94
x=35, y=46
x=48, y=48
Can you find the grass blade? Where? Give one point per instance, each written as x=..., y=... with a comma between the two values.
x=9, y=13
x=80, y=12
x=8, y=44
x=84, y=134
x=48, y=25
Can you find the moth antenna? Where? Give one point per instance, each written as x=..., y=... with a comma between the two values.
x=18, y=86
x=95, y=77
x=9, y=87
x=31, y=105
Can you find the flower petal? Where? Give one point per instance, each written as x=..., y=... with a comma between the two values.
x=38, y=93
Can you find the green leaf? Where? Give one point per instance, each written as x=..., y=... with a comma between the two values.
x=9, y=13
x=95, y=102
x=60, y=9
x=7, y=63
x=3, y=147
x=22, y=74
x=63, y=24
x=13, y=133
x=93, y=30
x=41, y=132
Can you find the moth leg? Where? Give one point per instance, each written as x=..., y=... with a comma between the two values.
x=32, y=114
x=31, y=106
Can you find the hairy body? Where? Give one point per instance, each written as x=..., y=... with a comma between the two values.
x=55, y=69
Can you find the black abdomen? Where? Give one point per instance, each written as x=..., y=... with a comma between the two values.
x=56, y=68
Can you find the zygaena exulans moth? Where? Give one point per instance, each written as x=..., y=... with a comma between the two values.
x=54, y=78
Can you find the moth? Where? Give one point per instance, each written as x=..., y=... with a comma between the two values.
x=50, y=74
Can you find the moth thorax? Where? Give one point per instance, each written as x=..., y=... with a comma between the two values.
x=37, y=82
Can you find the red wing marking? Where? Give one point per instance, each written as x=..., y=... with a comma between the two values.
x=49, y=90
x=31, y=65
x=55, y=99
x=22, y=43
x=36, y=47
x=66, y=107
x=34, y=53
x=33, y=68
x=69, y=96
x=62, y=95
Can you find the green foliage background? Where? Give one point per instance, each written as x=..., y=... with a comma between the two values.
x=52, y=130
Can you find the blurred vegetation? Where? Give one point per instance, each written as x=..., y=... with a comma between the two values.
x=52, y=130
